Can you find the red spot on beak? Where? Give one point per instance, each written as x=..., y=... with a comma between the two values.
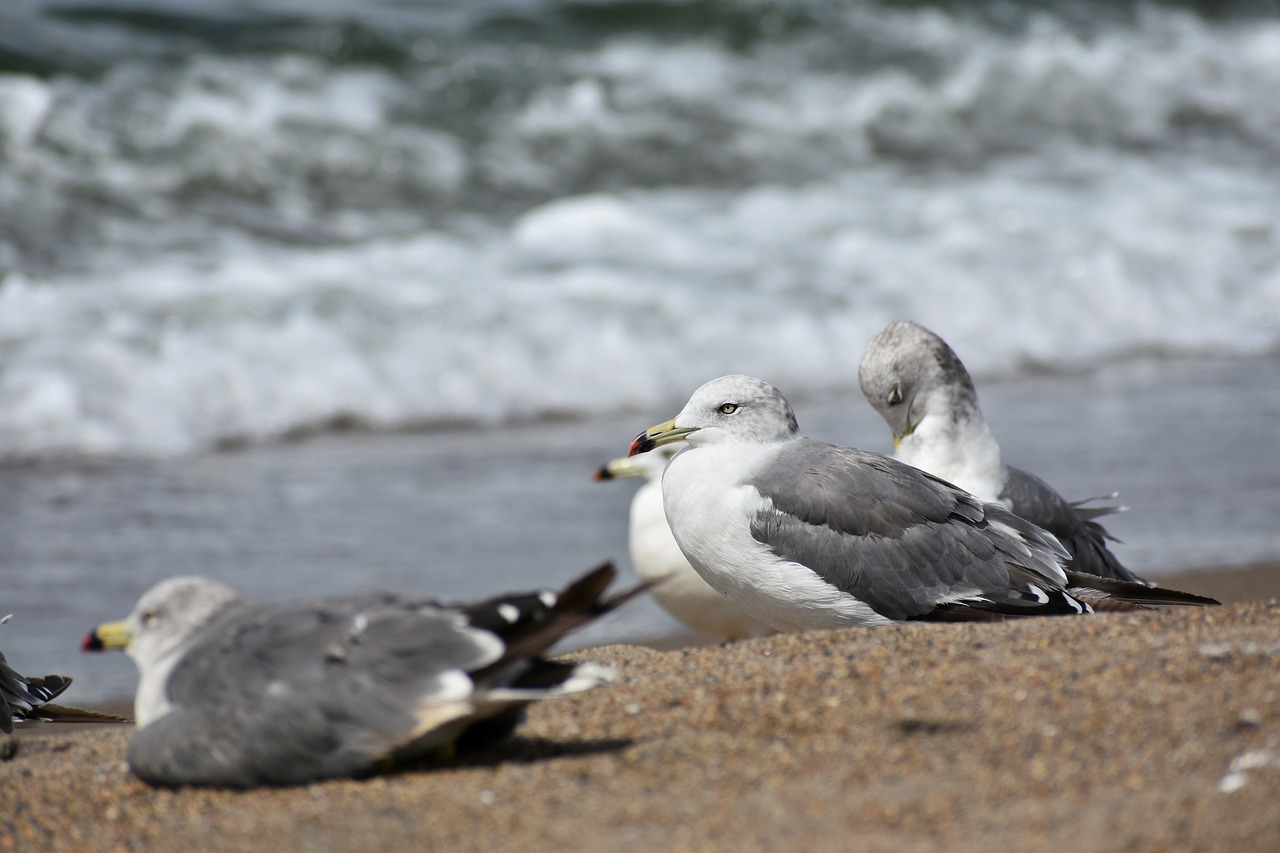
x=642, y=444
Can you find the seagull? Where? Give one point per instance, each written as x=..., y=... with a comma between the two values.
x=922, y=390
x=22, y=696
x=233, y=694
x=658, y=560
x=802, y=534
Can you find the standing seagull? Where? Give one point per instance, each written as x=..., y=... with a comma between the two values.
x=21, y=696
x=920, y=387
x=658, y=560
x=237, y=695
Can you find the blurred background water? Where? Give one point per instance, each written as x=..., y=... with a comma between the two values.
x=471, y=248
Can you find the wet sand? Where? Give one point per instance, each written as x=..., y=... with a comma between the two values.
x=1150, y=731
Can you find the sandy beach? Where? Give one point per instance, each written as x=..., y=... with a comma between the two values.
x=1150, y=731
x=319, y=299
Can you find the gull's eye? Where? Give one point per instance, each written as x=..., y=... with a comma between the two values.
x=148, y=618
x=895, y=396
x=728, y=408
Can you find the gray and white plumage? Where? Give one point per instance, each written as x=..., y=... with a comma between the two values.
x=917, y=383
x=236, y=694
x=658, y=560
x=22, y=696
x=803, y=534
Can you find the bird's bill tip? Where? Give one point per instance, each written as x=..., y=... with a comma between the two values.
x=641, y=444
x=656, y=436
x=616, y=469
x=907, y=428
x=107, y=636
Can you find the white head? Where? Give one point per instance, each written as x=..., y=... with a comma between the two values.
x=166, y=616
x=908, y=373
x=731, y=408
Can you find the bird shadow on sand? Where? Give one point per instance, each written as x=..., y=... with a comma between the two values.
x=521, y=750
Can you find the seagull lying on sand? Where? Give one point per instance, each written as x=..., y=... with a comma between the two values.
x=237, y=694
x=803, y=534
x=21, y=696
x=658, y=560
x=920, y=387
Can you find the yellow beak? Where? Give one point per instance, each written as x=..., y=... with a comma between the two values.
x=620, y=468
x=107, y=636
x=656, y=436
x=907, y=428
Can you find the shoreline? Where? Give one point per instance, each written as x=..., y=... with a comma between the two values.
x=1255, y=581
x=461, y=515
x=1136, y=731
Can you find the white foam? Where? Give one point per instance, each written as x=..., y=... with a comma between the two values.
x=24, y=106
x=234, y=249
x=978, y=92
x=602, y=302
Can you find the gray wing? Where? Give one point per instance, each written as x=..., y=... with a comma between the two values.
x=280, y=695
x=288, y=694
x=904, y=542
x=1085, y=539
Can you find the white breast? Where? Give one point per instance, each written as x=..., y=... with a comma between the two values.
x=682, y=592
x=964, y=454
x=709, y=510
x=151, y=702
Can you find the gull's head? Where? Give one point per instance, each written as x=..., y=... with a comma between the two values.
x=166, y=616
x=904, y=368
x=731, y=408
x=647, y=465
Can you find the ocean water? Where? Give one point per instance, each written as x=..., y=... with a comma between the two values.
x=337, y=293
x=226, y=222
x=1190, y=445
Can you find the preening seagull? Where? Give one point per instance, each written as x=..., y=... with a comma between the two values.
x=803, y=534
x=657, y=558
x=920, y=387
x=22, y=696
x=236, y=694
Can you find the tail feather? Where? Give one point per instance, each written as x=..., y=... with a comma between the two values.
x=1090, y=513
x=53, y=713
x=1095, y=589
x=577, y=604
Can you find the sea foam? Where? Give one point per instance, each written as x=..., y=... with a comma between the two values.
x=209, y=248
x=626, y=301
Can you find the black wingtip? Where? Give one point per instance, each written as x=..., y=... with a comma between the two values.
x=579, y=603
x=584, y=594
x=49, y=687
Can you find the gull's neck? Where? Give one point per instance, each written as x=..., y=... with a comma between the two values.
x=952, y=441
x=151, y=702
